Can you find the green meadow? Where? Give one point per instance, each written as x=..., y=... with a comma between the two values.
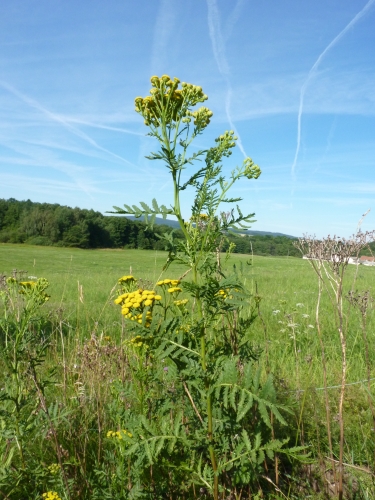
x=83, y=286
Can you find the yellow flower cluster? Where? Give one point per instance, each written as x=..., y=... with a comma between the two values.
x=181, y=302
x=223, y=294
x=28, y=284
x=119, y=434
x=35, y=289
x=201, y=117
x=200, y=218
x=133, y=304
x=137, y=341
x=167, y=101
x=51, y=495
x=174, y=289
x=126, y=279
x=54, y=468
x=168, y=282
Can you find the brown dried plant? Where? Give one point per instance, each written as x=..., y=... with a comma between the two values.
x=329, y=258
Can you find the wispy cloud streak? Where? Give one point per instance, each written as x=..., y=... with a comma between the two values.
x=58, y=119
x=313, y=70
x=218, y=47
x=101, y=126
x=162, y=34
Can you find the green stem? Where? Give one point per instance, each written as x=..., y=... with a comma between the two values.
x=210, y=433
x=177, y=211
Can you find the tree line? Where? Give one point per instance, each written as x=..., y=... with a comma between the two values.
x=57, y=225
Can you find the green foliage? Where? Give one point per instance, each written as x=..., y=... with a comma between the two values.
x=45, y=224
x=204, y=340
x=176, y=399
x=102, y=387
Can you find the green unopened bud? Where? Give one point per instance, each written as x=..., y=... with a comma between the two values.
x=251, y=171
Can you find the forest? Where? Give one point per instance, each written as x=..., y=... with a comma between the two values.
x=56, y=225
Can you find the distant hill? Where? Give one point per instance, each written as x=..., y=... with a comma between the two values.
x=158, y=220
x=53, y=224
x=249, y=232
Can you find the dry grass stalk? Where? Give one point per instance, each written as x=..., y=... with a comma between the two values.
x=329, y=258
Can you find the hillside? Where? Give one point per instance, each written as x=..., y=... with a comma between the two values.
x=249, y=232
x=56, y=225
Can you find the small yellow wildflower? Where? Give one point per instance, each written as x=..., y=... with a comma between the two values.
x=174, y=289
x=119, y=434
x=181, y=302
x=54, y=468
x=126, y=279
x=51, y=495
x=28, y=284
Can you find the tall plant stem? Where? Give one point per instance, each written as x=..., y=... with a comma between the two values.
x=342, y=392
x=44, y=406
x=324, y=366
x=210, y=433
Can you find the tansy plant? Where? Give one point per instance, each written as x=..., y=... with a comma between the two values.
x=204, y=418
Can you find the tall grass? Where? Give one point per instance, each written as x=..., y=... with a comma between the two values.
x=86, y=340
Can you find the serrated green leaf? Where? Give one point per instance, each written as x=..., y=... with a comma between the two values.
x=145, y=207
x=148, y=451
x=155, y=205
x=261, y=457
x=171, y=445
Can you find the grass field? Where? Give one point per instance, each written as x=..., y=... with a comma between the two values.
x=82, y=285
x=287, y=285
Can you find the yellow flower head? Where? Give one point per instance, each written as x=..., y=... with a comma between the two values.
x=28, y=284
x=181, y=302
x=51, y=495
x=54, y=468
x=119, y=434
x=174, y=289
x=126, y=279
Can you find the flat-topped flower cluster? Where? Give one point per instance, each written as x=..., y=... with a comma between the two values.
x=169, y=103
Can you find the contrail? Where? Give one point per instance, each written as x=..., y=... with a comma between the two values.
x=165, y=21
x=313, y=70
x=100, y=125
x=36, y=105
x=218, y=47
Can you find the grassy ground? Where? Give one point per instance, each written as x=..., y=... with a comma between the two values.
x=82, y=288
x=82, y=282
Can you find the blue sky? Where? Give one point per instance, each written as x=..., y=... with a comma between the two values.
x=296, y=80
